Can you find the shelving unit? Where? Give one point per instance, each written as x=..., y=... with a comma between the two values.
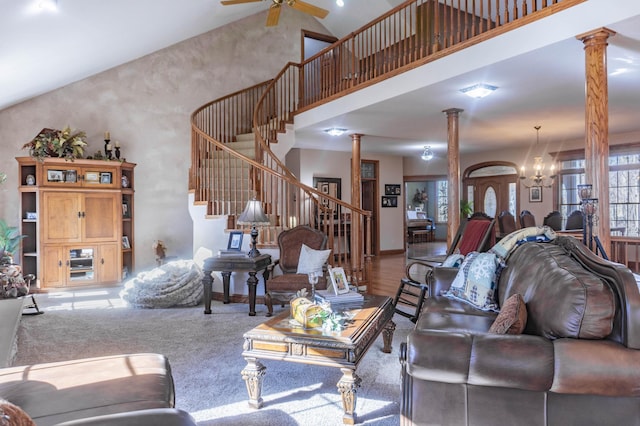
x=75, y=216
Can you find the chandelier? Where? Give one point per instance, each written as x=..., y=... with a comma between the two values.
x=538, y=178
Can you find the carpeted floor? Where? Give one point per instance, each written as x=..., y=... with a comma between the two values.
x=205, y=354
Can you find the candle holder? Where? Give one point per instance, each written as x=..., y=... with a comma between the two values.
x=117, y=152
x=107, y=149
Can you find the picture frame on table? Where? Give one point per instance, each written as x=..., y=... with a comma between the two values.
x=125, y=242
x=535, y=194
x=235, y=241
x=339, y=282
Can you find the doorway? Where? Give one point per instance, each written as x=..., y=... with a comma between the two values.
x=369, y=197
x=492, y=188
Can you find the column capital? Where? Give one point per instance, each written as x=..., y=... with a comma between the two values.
x=452, y=111
x=593, y=36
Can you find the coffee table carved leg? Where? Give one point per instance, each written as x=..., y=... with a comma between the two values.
x=252, y=282
x=252, y=374
x=226, y=281
x=347, y=386
x=207, y=284
x=387, y=336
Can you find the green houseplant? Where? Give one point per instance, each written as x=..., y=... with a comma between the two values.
x=66, y=143
x=466, y=208
x=9, y=241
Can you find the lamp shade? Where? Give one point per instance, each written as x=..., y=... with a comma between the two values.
x=253, y=213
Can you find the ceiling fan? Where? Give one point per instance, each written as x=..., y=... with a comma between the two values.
x=274, y=10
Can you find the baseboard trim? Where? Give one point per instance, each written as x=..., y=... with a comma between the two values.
x=387, y=252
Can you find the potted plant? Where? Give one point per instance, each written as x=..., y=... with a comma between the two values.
x=466, y=208
x=66, y=143
x=9, y=242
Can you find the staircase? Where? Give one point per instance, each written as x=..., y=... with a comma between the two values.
x=232, y=137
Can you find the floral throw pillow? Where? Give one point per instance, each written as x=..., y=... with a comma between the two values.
x=476, y=280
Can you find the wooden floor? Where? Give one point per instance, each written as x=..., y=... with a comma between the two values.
x=387, y=270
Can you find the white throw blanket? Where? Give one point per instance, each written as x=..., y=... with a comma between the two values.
x=177, y=283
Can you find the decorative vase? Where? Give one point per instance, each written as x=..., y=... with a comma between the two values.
x=125, y=181
x=31, y=180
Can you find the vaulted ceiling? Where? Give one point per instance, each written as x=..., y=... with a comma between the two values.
x=539, y=70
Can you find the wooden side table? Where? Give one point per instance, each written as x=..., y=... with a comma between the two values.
x=228, y=264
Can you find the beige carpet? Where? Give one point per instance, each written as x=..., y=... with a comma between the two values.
x=205, y=354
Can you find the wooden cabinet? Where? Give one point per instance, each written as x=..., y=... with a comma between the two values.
x=75, y=215
x=80, y=216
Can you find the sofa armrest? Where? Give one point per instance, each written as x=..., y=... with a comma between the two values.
x=442, y=279
x=151, y=417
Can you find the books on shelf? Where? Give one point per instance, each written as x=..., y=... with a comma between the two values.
x=331, y=297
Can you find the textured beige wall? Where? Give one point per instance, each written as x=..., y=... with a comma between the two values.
x=146, y=105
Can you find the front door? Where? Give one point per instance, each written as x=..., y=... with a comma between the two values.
x=492, y=188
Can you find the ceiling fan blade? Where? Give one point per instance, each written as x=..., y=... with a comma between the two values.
x=274, y=15
x=230, y=2
x=308, y=8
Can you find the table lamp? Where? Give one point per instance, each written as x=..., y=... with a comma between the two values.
x=253, y=215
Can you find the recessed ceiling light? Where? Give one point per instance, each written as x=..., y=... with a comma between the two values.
x=334, y=131
x=340, y=3
x=479, y=90
x=50, y=5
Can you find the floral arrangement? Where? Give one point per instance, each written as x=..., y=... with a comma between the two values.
x=66, y=143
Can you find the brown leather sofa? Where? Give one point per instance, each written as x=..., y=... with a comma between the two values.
x=577, y=361
x=135, y=389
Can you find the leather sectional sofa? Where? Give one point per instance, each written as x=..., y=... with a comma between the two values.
x=577, y=361
x=135, y=389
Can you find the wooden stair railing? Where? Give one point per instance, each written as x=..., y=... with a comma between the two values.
x=408, y=36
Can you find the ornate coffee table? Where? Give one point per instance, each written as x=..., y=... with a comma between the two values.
x=280, y=339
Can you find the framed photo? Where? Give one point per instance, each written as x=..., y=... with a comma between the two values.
x=535, y=194
x=339, y=281
x=391, y=189
x=70, y=176
x=92, y=177
x=388, y=201
x=125, y=242
x=235, y=241
x=55, y=176
x=125, y=210
x=105, y=177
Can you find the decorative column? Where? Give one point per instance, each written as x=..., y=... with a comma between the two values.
x=453, y=175
x=597, y=127
x=356, y=189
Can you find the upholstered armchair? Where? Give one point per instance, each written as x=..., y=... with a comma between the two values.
x=302, y=250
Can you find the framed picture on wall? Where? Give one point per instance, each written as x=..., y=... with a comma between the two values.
x=535, y=194
x=391, y=189
x=389, y=201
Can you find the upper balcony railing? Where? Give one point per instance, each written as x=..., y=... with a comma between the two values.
x=409, y=36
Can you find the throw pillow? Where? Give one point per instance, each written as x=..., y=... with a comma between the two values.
x=311, y=260
x=14, y=415
x=453, y=261
x=475, y=282
x=512, y=317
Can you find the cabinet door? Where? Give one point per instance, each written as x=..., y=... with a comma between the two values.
x=53, y=267
x=62, y=217
x=109, y=263
x=101, y=219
